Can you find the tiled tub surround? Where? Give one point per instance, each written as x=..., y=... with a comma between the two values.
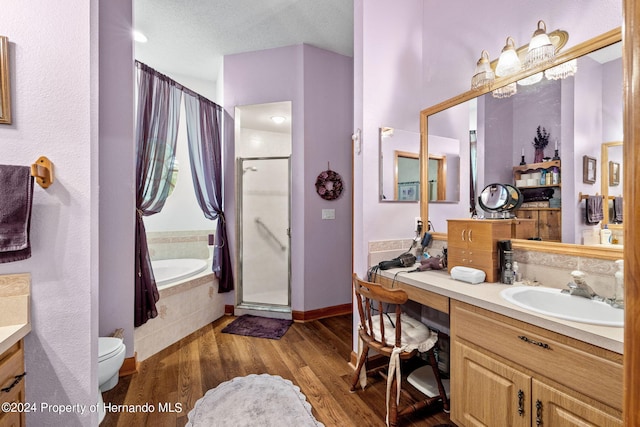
x=550, y=270
x=186, y=306
x=178, y=244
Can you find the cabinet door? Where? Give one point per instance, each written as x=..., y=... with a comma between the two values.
x=550, y=224
x=551, y=407
x=524, y=228
x=531, y=215
x=482, y=235
x=457, y=234
x=485, y=392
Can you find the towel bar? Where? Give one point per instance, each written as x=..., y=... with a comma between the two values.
x=42, y=170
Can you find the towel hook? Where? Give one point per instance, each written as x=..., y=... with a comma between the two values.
x=42, y=170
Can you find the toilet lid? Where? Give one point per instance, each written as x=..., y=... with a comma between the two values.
x=108, y=346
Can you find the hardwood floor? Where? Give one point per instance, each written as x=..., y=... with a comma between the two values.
x=313, y=355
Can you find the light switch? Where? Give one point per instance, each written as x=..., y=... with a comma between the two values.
x=328, y=214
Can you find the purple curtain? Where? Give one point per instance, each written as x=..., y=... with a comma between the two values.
x=205, y=153
x=156, y=131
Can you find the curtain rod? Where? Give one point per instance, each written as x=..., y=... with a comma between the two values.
x=183, y=88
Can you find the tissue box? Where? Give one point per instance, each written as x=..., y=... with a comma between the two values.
x=468, y=274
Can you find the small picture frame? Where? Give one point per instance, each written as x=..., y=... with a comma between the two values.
x=5, y=91
x=614, y=174
x=589, y=170
x=408, y=191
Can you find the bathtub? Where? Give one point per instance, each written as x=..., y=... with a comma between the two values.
x=168, y=271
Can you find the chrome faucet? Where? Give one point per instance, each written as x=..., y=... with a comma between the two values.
x=579, y=287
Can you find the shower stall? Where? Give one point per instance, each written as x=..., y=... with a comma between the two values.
x=264, y=212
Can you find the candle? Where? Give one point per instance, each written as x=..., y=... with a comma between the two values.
x=523, y=151
x=556, y=143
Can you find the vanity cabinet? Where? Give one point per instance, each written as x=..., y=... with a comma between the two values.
x=12, y=385
x=509, y=373
x=548, y=222
x=474, y=243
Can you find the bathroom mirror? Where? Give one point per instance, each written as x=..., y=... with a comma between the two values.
x=399, y=167
x=570, y=120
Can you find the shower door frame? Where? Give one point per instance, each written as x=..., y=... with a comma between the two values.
x=239, y=236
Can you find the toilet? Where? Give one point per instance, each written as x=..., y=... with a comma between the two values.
x=111, y=352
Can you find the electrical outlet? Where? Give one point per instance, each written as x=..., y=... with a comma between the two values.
x=417, y=225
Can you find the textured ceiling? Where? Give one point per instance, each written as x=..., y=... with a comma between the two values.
x=189, y=37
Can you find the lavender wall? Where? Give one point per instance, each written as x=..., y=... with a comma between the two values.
x=117, y=170
x=328, y=120
x=319, y=85
x=387, y=79
x=54, y=91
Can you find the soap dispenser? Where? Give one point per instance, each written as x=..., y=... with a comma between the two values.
x=605, y=235
x=619, y=297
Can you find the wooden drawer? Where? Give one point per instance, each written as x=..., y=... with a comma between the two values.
x=12, y=365
x=424, y=297
x=593, y=371
x=482, y=260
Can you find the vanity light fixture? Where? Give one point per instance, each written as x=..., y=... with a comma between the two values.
x=505, y=91
x=540, y=48
x=484, y=75
x=531, y=80
x=564, y=70
x=508, y=63
x=277, y=119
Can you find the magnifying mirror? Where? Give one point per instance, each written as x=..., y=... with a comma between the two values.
x=498, y=200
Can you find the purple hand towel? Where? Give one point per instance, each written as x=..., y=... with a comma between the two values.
x=617, y=209
x=16, y=195
x=595, y=213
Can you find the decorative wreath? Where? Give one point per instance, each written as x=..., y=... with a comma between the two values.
x=329, y=185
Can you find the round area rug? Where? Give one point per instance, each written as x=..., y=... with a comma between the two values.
x=255, y=400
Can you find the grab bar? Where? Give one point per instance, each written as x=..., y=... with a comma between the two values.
x=270, y=233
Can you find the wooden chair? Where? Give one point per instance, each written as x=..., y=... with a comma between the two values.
x=397, y=337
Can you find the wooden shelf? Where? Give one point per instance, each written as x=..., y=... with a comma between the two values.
x=541, y=186
x=536, y=166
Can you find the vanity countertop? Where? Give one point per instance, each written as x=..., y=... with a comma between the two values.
x=487, y=296
x=15, y=321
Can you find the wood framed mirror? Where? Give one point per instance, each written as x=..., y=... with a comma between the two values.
x=5, y=89
x=567, y=246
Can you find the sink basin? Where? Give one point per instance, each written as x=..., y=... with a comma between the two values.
x=552, y=302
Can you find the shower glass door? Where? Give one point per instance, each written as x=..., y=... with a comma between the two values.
x=264, y=232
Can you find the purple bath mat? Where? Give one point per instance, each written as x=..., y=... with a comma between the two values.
x=256, y=326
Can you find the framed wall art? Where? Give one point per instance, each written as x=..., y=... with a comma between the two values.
x=589, y=170
x=5, y=91
x=614, y=173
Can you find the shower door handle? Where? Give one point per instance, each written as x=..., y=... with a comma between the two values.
x=289, y=232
